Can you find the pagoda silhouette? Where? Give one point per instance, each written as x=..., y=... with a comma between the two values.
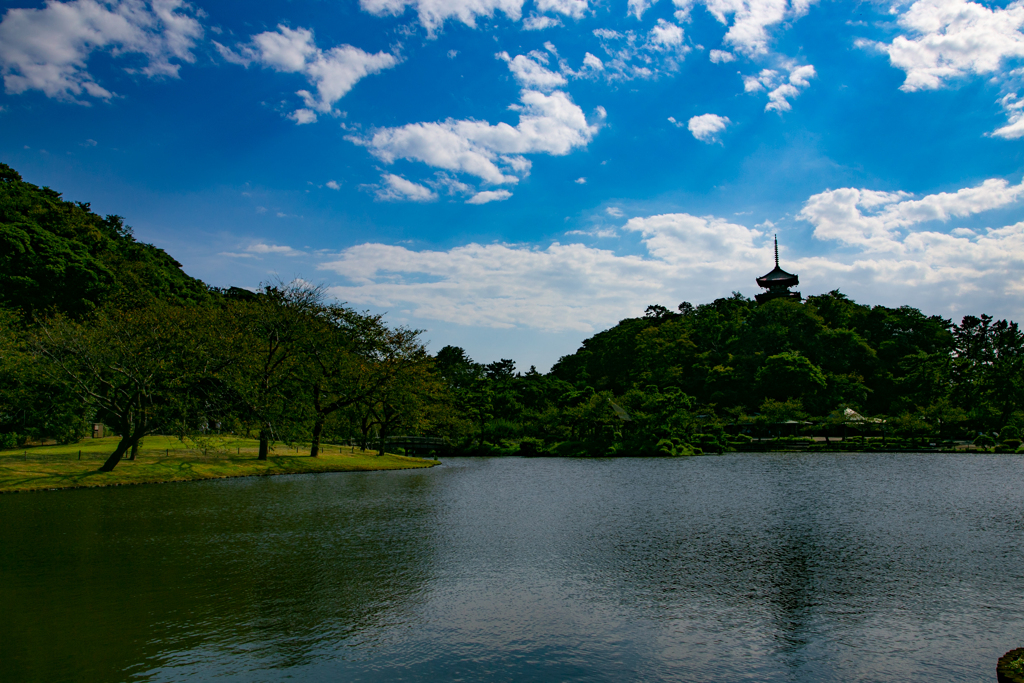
x=777, y=282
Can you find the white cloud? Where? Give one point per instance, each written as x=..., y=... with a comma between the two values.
x=574, y=287
x=332, y=72
x=488, y=196
x=570, y=8
x=638, y=7
x=666, y=35
x=1014, y=108
x=449, y=184
x=548, y=124
x=707, y=126
x=633, y=55
x=581, y=181
x=558, y=288
x=950, y=39
x=873, y=220
x=333, y=185
x=530, y=73
x=592, y=63
x=258, y=250
x=398, y=189
x=614, y=212
x=600, y=233
x=539, y=23
x=48, y=49
x=700, y=242
x=748, y=33
x=721, y=57
x=433, y=13
x=781, y=89
x=303, y=116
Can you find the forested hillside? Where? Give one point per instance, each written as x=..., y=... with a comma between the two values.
x=60, y=256
x=98, y=327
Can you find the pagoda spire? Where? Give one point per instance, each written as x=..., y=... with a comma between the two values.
x=776, y=250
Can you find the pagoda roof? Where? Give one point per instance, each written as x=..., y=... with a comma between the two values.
x=778, y=277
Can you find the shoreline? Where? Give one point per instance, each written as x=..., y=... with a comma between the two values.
x=61, y=468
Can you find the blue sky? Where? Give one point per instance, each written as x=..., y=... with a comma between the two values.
x=515, y=175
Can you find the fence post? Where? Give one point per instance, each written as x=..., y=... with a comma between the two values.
x=79, y=455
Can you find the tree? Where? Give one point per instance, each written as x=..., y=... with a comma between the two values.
x=342, y=367
x=988, y=369
x=33, y=404
x=789, y=375
x=140, y=369
x=402, y=383
x=268, y=333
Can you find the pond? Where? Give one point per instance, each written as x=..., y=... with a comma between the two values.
x=768, y=567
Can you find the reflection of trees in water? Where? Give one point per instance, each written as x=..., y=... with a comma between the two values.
x=104, y=585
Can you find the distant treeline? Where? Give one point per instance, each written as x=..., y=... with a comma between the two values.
x=97, y=327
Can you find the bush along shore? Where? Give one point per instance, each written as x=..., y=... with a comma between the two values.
x=1010, y=668
x=721, y=443
x=167, y=459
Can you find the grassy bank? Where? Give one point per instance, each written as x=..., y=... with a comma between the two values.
x=163, y=459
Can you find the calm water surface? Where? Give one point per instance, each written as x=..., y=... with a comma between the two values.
x=874, y=567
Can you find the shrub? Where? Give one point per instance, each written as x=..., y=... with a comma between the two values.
x=9, y=440
x=665, y=447
x=1010, y=667
x=984, y=440
x=531, y=446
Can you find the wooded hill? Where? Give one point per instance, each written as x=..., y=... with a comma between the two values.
x=96, y=326
x=60, y=256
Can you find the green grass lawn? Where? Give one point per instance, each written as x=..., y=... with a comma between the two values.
x=165, y=458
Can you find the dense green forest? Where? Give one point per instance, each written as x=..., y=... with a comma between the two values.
x=96, y=327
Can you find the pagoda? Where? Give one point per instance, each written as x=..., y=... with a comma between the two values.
x=777, y=282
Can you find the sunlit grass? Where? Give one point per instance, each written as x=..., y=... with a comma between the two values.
x=164, y=458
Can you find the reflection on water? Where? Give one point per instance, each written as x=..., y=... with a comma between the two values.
x=874, y=567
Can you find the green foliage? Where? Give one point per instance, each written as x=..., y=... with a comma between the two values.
x=59, y=255
x=1010, y=667
x=984, y=440
x=33, y=403
x=789, y=375
x=140, y=370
